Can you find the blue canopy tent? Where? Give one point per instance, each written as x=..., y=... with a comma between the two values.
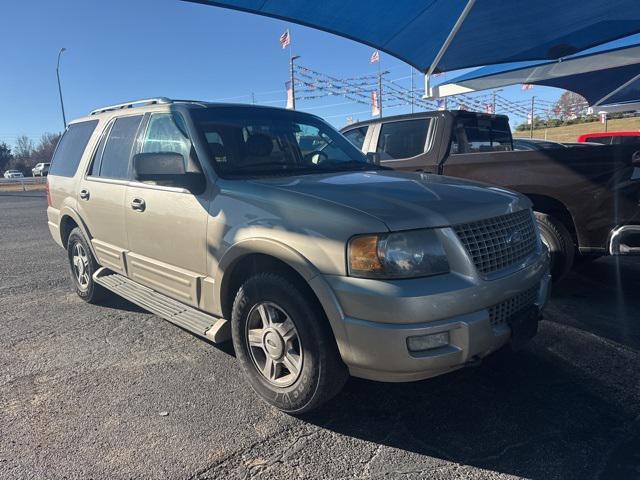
x=444, y=35
x=609, y=73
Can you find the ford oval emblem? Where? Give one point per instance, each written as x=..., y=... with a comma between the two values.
x=514, y=237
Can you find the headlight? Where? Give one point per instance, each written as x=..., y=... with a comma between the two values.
x=414, y=253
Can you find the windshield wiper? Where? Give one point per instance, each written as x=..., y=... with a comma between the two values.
x=337, y=164
x=263, y=164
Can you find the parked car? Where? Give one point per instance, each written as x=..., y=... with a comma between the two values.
x=586, y=199
x=13, y=174
x=611, y=138
x=318, y=264
x=535, y=144
x=40, y=170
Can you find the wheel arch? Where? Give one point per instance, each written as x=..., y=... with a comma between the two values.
x=69, y=219
x=251, y=256
x=555, y=208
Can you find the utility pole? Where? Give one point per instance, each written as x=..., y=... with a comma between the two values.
x=64, y=118
x=494, y=100
x=411, y=89
x=533, y=99
x=380, y=91
x=292, y=80
x=253, y=98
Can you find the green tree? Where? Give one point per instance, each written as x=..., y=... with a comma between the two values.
x=5, y=155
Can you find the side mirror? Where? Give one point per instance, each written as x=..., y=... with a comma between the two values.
x=373, y=157
x=166, y=169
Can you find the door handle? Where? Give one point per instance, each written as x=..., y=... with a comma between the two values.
x=138, y=204
x=84, y=194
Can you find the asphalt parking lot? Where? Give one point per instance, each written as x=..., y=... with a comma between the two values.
x=114, y=392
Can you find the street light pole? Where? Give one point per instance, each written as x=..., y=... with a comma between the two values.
x=494, y=99
x=64, y=118
x=292, y=80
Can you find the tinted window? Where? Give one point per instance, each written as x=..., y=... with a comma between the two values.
x=117, y=150
x=602, y=140
x=402, y=139
x=475, y=134
x=97, y=156
x=356, y=136
x=627, y=140
x=71, y=147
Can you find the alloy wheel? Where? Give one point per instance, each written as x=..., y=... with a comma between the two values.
x=274, y=344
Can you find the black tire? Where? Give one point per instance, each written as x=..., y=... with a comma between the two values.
x=560, y=243
x=91, y=292
x=322, y=374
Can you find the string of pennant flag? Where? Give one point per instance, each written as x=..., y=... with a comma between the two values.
x=379, y=92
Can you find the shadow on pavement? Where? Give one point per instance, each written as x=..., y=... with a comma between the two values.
x=565, y=407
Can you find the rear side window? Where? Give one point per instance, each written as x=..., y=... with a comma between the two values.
x=403, y=139
x=474, y=134
x=71, y=147
x=117, y=149
x=356, y=136
x=627, y=140
x=600, y=139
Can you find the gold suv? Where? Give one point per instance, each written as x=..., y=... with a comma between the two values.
x=269, y=227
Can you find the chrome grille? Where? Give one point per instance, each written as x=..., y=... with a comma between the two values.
x=500, y=242
x=501, y=312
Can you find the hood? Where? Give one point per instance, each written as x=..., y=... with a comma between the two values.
x=405, y=201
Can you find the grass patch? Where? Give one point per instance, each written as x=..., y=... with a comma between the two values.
x=570, y=133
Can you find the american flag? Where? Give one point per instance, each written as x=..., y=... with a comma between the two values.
x=285, y=39
x=375, y=57
x=527, y=86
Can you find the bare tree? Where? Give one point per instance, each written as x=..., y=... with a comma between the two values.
x=24, y=148
x=570, y=105
x=26, y=155
x=46, y=146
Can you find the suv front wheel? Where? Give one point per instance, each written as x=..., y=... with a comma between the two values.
x=82, y=266
x=284, y=344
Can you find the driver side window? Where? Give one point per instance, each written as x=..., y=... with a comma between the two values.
x=167, y=133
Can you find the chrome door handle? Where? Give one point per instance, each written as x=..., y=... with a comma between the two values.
x=84, y=194
x=138, y=204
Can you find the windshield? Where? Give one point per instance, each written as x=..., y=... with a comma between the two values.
x=256, y=141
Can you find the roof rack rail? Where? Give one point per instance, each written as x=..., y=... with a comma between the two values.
x=135, y=103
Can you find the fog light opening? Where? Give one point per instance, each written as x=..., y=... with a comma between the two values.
x=422, y=343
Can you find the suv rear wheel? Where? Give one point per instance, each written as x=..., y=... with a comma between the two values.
x=82, y=266
x=284, y=344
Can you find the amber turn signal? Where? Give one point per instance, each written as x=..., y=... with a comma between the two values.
x=363, y=254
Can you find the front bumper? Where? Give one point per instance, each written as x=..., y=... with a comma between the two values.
x=379, y=316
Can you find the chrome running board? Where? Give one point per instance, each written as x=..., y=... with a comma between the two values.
x=195, y=321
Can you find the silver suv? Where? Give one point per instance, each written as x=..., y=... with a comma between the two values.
x=268, y=227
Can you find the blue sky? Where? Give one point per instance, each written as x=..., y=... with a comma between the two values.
x=120, y=50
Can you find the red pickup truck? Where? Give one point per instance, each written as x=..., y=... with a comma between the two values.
x=611, y=138
x=586, y=199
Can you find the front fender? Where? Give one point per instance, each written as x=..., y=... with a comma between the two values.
x=300, y=264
